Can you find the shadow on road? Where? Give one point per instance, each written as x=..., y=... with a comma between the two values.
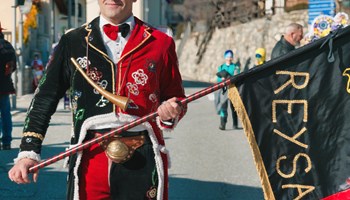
x=189, y=189
x=51, y=183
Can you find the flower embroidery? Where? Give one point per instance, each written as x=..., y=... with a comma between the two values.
x=76, y=95
x=153, y=98
x=83, y=62
x=133, y=88
x=152, y=193
x=94, y=74
x=103, y=84
x=140, y=77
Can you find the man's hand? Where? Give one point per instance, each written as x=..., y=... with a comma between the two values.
x=169, y=109
x=19, y=172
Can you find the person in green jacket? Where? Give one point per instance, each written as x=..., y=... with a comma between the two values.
x=224, y=71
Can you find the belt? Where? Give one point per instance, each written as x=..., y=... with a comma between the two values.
x=120, y=147
x=91, y=134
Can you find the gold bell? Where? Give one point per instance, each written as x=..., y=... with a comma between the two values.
x=117, y=151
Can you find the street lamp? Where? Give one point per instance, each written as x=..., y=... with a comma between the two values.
x=13, y=35
x=14, y=44
x=24, y=8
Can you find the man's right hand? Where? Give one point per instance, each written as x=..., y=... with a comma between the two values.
x=20, y=171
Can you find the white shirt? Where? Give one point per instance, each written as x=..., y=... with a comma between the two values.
x=114, y=51
x=116, y=47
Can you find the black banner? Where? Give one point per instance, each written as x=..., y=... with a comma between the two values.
x=295, y=111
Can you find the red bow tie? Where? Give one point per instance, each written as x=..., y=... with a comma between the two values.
x=112, y=31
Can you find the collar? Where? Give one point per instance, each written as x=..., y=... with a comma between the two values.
x=130, y=21
x=286, y=43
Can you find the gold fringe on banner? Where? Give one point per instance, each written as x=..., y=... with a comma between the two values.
x=236, y=100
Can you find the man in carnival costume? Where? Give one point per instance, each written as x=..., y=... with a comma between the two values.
x=224, y=71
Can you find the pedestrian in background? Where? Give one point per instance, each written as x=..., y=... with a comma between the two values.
x=260, y=56
x=291, y=38
x=7, y=67
x=226, y=70
x=126, y=57
x=38, y=70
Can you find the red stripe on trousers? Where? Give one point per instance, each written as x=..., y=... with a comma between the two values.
x=93, y=177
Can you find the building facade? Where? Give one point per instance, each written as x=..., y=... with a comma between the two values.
x=34, y=31
x=34, y=27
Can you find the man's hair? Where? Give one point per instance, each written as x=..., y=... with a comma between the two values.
x=293, y=27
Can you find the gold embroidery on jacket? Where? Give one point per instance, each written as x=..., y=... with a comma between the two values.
x=33, y=134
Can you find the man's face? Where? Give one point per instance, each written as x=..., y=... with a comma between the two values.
x=229, y=59
x=297, y=36
x=116, y=11
x=259, y=59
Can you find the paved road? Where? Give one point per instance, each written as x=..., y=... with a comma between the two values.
x=206, y=163
x=51, y=184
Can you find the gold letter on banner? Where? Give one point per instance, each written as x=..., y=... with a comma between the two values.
x=293, y=139
x=346, y=73
x=308, y=188
x=292, y=80
x=294, y=165
x=289, y=102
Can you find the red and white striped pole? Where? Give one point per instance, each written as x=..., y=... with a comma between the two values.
x=125, y=127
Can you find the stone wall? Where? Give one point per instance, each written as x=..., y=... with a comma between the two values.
x=242, y=39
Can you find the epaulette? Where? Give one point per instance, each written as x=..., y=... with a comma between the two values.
x=165, y=29
x=85, y=24
x=147, y=25
x=69, y=30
